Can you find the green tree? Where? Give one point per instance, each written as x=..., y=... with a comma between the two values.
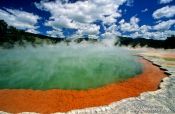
x=3, y=27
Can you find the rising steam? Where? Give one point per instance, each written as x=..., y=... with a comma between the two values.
x=77, y=66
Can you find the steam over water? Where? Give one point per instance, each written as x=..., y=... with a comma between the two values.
x=79, y=66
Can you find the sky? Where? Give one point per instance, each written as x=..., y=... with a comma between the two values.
x=151, y=19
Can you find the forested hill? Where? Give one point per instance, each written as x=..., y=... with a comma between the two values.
x=169, y=43
x=10, y=37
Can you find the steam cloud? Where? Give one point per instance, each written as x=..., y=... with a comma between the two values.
x=77, y=66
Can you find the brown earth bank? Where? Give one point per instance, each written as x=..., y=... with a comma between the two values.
x=65, y=100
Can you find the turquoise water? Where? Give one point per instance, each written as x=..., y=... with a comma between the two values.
x=65, y=67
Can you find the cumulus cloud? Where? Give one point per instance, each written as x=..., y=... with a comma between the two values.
x=164, y=25
x=167, y=12
x=19, y=19
x=157, y=35
x=32, y=31
x=111, y=32
x=131, y=26
x=61, y=22
x=83, y=11
x=75, y=36
x=88, y=29
x=81, y=15
x=160, y=31
x=93, y=36
x=56, y=33
x=165, y=1
x=145, y=28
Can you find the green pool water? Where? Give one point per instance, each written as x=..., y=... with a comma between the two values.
x=65, y=67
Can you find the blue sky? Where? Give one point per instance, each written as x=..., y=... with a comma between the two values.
x=93, y=18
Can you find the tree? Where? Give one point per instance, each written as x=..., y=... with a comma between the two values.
x=3, y=27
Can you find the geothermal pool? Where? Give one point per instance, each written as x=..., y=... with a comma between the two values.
x=60, y=66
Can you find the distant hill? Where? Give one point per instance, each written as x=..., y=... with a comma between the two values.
x=169, y=43
x=10, y=36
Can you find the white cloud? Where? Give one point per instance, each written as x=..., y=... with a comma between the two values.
x=131, y=26
x=110, y=35
x=88, y=29
x=165, y=1
x=32, y=31
x=111, y=19
x=93, y=36
x=56, y=33
x=145, y=10
x=153, y=35
x=130, y=3
x=134, y=20
x=82, y=14
x=61, y=22
x=19, y=19
x=83, y=11
x=145, y=28
x=91, y=30
x=75, y=36
x=111, y=32
x=167, y=11
x=159, y=32
x=164, y=25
